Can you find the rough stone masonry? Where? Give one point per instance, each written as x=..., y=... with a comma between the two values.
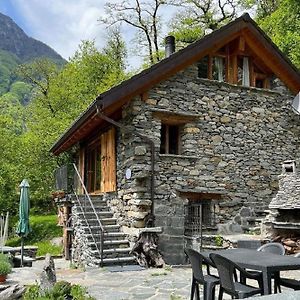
x=233, y=143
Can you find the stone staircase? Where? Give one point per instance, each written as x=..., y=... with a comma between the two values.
x=116, y=250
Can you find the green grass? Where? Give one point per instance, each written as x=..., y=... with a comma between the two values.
x=44, y=228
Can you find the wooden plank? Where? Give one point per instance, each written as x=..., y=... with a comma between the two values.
x=242, y=44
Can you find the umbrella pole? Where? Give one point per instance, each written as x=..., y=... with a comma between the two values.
x=22, y=251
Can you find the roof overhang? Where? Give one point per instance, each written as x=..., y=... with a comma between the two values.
x=113, y=100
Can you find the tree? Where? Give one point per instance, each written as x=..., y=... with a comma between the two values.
x=141, y=15
x=197, y=17
x=283, y=26
x=60, y=96
x=39, y=74
x=263, y=8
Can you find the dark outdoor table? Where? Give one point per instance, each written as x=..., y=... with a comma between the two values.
x=267, y=263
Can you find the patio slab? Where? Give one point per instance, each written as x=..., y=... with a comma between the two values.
x=148, y=284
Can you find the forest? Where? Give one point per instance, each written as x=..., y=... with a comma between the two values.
x=40, y=99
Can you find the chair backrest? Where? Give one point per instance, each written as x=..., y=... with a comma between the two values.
x=197, y=261
x=226, y=272
x=275, y=248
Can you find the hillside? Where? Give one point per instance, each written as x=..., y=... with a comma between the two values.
x=16, y=48
x=14, y=40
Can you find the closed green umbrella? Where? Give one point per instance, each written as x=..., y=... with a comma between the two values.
x=23, y=226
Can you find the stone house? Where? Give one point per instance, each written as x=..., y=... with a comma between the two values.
x=193, y=139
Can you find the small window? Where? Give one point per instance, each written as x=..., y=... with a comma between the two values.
x=197, y=215
x=218, y=68
x=203, y=67
x=170, y=139
x=243, y=71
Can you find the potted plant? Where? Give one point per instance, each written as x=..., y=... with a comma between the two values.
x=5, y=268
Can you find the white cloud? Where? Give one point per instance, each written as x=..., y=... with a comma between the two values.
x=62, y=24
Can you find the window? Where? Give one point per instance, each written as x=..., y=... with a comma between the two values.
x=170, y=139
x=243, y=71
x=197, y=214
x=203, y=67
x=219, y=68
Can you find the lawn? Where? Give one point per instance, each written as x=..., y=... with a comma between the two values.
x=44, y=229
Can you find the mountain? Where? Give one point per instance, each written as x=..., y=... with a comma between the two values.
x=16, y=48
x=14, y=40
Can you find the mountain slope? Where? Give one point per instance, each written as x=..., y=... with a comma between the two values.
x=14, y=40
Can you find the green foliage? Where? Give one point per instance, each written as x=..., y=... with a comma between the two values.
x=45, y=247
x=219, y=240
x=5, y=267
x=60, y=291
x=283, y=26
x=44, y=228
x=5, y=258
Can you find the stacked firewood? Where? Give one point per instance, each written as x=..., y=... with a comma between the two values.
x=291, y=244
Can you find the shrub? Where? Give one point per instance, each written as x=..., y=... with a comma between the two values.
x=62, y=290
x=5, y=267
x=4, y=257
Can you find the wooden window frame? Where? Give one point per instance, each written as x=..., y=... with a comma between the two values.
x=167, y=139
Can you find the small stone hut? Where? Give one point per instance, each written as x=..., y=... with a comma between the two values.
x=190, y=141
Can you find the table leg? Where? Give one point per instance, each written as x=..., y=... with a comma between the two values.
x=267, y=282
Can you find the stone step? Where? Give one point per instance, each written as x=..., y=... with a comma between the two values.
x=108, y=228
x=108, y=245
x=117, y=250
x=104, y=221
x=89, y=209
x=116, y=260
x=91, y=214
x=112, y=252
x=107, y=236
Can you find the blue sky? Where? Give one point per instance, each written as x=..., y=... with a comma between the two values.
x=63, y=24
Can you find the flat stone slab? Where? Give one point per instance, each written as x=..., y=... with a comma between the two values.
x=129, y=284
x=125, y=268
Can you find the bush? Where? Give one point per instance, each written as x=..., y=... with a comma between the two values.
x=5, y=267
x=62, y=290
x=4, y=257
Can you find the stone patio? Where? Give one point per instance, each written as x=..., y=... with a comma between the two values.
x=170, y=283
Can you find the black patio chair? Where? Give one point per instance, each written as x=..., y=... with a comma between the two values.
x=208, y=281
x=275, y=248
x=288, y=282
x=228, y=284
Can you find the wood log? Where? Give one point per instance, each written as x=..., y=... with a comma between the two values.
x=277, y=239
x=146, y=252
x=290, y=242
x=12, y=292
x=287, y=248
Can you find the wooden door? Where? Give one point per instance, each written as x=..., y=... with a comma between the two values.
x=108, y=161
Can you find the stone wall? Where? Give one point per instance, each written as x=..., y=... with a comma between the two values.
x=235, y=145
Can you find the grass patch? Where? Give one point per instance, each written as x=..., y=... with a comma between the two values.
x=44, y=228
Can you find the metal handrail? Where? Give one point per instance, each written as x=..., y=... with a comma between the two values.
x=102, y=230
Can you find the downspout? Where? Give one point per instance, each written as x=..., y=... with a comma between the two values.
x=150, y=222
